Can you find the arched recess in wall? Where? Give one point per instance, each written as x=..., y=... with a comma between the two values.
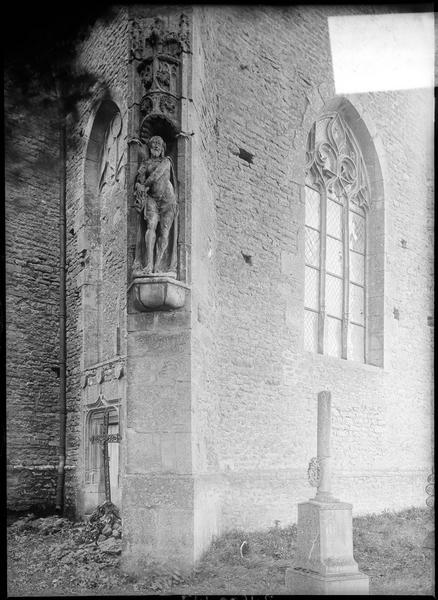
x=344, y=238
x=103, y=254
x=94, y=477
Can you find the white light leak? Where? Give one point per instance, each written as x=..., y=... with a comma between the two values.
x=382, y=52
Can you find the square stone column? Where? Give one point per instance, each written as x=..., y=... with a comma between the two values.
x=158, y=483
x=158, y=506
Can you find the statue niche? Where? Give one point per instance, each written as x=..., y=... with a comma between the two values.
x=159, y=54
x=155, y=199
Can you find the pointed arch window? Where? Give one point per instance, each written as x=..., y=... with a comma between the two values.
x=336, y=207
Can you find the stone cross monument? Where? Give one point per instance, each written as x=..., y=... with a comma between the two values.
x=324, y=563
x=104, y=438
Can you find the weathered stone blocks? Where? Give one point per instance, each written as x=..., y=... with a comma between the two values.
x=157, y=522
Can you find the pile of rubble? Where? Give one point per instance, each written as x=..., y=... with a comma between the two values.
x=102, y=531
x=104, y=528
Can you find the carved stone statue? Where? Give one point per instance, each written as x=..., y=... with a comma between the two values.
x=155, y=200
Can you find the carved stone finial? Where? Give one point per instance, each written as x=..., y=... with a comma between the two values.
x=184, y=32
x=159, y=36
x=156, y=31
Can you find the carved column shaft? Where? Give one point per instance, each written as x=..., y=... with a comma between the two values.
x=323, y=448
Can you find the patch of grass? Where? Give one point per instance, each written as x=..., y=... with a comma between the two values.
x=276, y=543
x=388, y=547
x=258, y=567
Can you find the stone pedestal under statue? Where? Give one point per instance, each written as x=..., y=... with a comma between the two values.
x=158, y=293
x=324, y=563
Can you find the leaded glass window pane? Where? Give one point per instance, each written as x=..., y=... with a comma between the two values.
x=311, y=288
x=356, y=303
x=312, y=247
x=333, y=296
x=310, y=331
x=356, y=340
x=357, y=232
x=333, y=337
x=334, y=251
x=357, y=268
x=334, y=219
x=356, y=208
x=313, y=208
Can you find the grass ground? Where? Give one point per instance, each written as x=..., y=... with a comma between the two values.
x=387, y=547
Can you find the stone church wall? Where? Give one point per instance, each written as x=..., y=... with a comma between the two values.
x=32, y=304
x=266, y=77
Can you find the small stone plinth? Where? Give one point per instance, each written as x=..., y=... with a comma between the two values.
x=158, y=293
x=324, y=562
x=300, y=582
x=325, y=537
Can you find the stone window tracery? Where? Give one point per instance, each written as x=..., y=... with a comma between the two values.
x=336, y=208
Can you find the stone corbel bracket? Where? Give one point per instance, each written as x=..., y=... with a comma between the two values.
x=158, y=293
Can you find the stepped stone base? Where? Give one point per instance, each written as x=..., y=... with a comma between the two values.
x=303, y=583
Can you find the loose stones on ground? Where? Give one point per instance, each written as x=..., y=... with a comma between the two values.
x=104, y=527
x=103, y=531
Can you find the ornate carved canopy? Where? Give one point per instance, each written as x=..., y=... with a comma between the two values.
x=158, y=51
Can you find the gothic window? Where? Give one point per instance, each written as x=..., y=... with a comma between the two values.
x=336, y=208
